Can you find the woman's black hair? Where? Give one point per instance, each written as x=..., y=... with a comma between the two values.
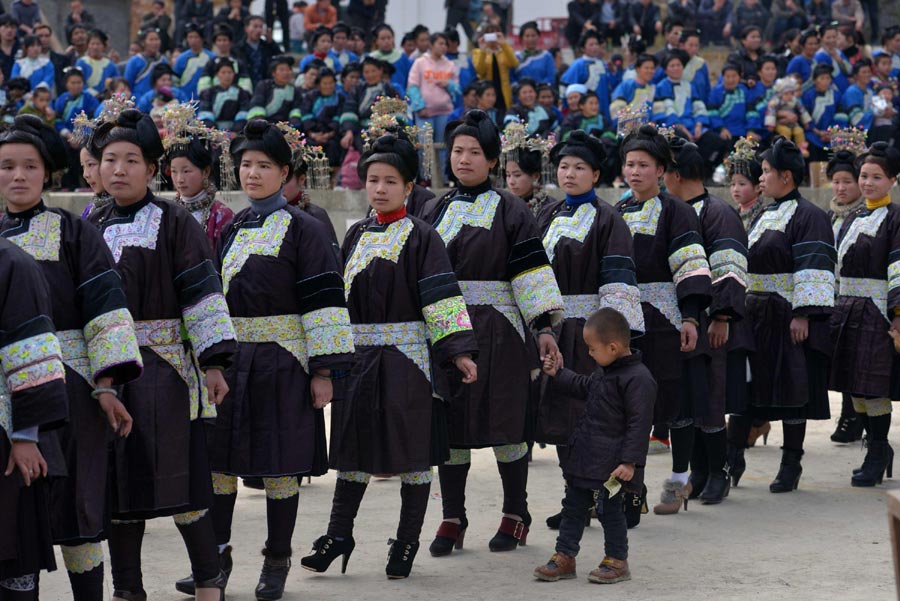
x=586, y=95
x=546, y=86
x=863, y=62
x=529, y=161
x=395, y=151
x=843, y=160
x=221, y=62
x=637, y=46
x=319, y=32
x=523, y=82
x=731, y=67
x=134, y=127
x=482, y=86
x=381, y=27
x=158, y=71
x=686, y=160
x=30, y=40
x=195, y=151
x=479, y=125
x=783, y=155
x=821, y=69
x=529, y=25
x=648, y=139
x=788, y=35
x=281, y=59
x=746, y=31
x=340, y=27
x=452, y=36
x=583, y=146
x=438, y=35
x=807, y=34
x=408, y=37
x=315, y=63
x=72, y=71
x=645, y=58
x=265, y=137
x=766, y=58
x=323, y=73
x=351, y=67
x=100, y=35
x=142, y=34
x=375, y=62
x=882, y=154
x=591, y=33
x=29, y=129
x=831, y=25
x=676, y=54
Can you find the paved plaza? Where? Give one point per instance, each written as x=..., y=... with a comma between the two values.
x=825, y=541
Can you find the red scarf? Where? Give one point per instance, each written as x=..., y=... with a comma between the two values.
x=391, y=217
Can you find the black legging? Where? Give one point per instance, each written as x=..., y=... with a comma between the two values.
x=281, y=7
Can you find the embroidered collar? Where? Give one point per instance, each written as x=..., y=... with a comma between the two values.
x=391, y=217
x=474, y=190
x=203, y=200
x=876, y=204
x=580, y=199
x=792, y=195
x=840, y=210
x=101, y=200
x=130, y=210
x=27, y=213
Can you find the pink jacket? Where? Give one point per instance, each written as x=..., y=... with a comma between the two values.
x=424, y=76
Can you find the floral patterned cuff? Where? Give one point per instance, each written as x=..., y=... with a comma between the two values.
x=208, y=322
x=111, y=341
x=446, y=317
x=328, y=331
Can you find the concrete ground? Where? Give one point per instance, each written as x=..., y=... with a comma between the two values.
x=824, y=541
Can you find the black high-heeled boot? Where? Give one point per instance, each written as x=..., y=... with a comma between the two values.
x=450, y=535
x=788, y=477
x=717, y=487
x=400, y=559
x=737, y=465
x=849, y=426
x=325, y=550
x=186, y=585
x=879, y=460
x=273, y=576
x=699, y=466
x=219, y=582
x=511, y=534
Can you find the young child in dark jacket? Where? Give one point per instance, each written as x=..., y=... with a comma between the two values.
x=608, y=449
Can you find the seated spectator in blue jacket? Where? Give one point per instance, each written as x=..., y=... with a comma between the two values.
x=831, y=55
x=587, y=118
x=528, y=111
x=32, y=66
x=547, y=99
x=821, y=102
x=67, y=107
x=321, y=43
x=97, y=67
x=676, y=103
x=534, y=63
x=190, y=64
x=634, y=92
x=760, y=95
x=160, y=82
x=727, y=106
x=801, y=66
x=340, y=40
x=590, y=70
x=696, y=71
x=856, y=101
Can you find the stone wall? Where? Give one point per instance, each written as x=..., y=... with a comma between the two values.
x=346, y=206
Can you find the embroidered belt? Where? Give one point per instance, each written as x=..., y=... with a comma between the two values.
x=877, y=290
x=661, y=295
x=781, y=284
x=272, y=328
x=407, y=336
x=497, y=294
x=581, y=305
x=158, y=332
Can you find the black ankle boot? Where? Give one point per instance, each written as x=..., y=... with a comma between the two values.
x=879, y=459
x=186, y=585
x=737, y=465
x=273, y=576
x=511, y=534
x=450, y=535
x=219, y=582
x=325, y=550
x=849, y=429
x=698, y=482
x=554, y=521
x=717, y=486
x=634, y=506
x=400, y=559
x=788, y=477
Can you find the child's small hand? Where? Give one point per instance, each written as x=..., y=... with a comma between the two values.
x=625, y=472
x=552, y=364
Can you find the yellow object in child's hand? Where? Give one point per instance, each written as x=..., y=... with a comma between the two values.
x=896, y=336
x=613, y=486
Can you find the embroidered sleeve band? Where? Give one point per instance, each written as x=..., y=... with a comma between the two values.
x=111, y=342
x=328, y=331
x=813, y=288
x=208, y=323
x=446, y=317
x=728, y=259
x=32, y=361
x=536, y=292
x=626, y=299
x=688, y=259
x=894, y=270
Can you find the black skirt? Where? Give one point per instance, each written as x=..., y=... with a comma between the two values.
x=26, y=542
x=378, y=427
x=267, y=426
x=78, y=500
x=557, y=412
x=728, y=387
x=789, y=381
x=864, y=356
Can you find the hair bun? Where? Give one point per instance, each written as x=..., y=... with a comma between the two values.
x=29, y=129
x=255, y=128
x=582, y=145
x=29, y=124
x=129, y=118
x=394, y=151
x=265, y=137
x=647, y=131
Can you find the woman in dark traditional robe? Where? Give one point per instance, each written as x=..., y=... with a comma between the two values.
x=171, y=287
x=390, y=423
x=32, y=398
x=790, y=297
x=285, y=293
x=843, y=172
x=509, y=288
x=674, y=279
x=866, y=364
x=224, y=104
x=590, y=248
x=277, y=99
x=730, y=335
x=96, y=333
x=523, y=161
x=320, y=114
x=190, y=154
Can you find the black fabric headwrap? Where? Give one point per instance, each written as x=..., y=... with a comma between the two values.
x=135, y=127
x=585, y=147
x=394, y=151
x=479, y=125
x=265, y=137
x=784, y=155
x=29, y=129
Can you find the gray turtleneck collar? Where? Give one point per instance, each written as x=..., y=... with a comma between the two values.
x=266, y=206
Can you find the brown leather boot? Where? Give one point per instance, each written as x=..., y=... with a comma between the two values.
x=673, y=496
x=560, y=567
x=611, y=570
